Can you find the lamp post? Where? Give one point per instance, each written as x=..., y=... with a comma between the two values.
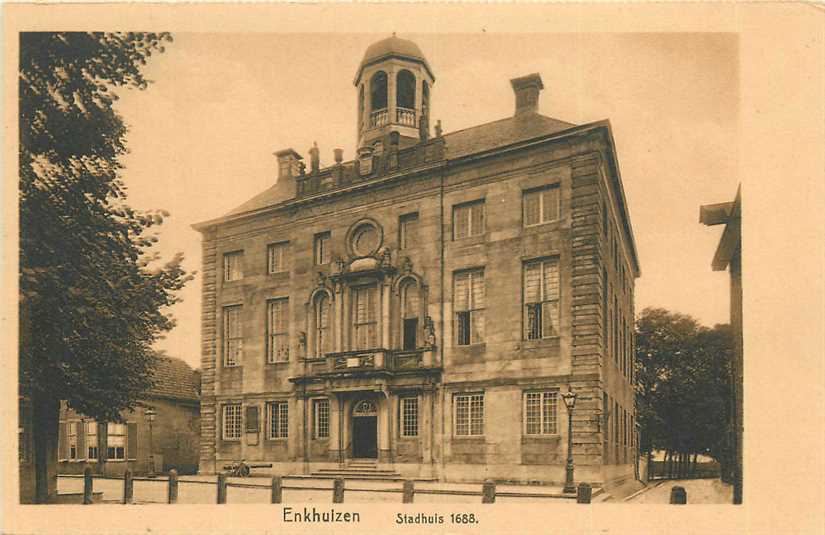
x=569, y=398
x=150, y=417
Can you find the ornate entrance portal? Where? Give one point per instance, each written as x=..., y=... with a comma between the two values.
x=365, y=430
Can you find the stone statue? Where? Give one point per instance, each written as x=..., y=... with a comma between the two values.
x=385, y=257
x=429, y=332
x=406, y=264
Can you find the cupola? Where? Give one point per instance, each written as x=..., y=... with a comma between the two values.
x=393, y=83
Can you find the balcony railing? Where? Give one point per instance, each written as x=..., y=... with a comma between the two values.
x=405, y=117
x=379, y=118
x=365, y=360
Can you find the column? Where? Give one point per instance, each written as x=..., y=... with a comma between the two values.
x=384, y=429
x=334, y=427
x=385, y=315
x=426, y=428
x=338, y=319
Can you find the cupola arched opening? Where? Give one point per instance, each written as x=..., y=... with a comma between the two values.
x=405, y=90
x=378, y=91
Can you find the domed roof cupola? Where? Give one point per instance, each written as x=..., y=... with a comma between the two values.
x=393, y=81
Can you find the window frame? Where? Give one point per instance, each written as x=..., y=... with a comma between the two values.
x=235, y=407
x=404, y=232
x=403, y=428
x=281, y=416
x=227, y=268
x=316, y=419
x=271, y=334
x=542, y=262
x=469, y=207
x=470, y=398
x=356, y=326
x=322, y=335
x=271, y=248
x=472, y=310
x=227, y=340
x=71, y=439
x=321, y=253
x=540, y=191
x=110, y=433
x=525, y=429
x=91, y=440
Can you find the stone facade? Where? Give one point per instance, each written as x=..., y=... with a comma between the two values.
x=437, y=386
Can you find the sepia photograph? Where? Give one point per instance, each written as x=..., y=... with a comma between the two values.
x=387, y=276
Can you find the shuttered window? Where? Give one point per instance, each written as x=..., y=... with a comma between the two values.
x=232, y=335
x=468, y=220
x=541, y=205
x=469, y=414
x=541, y=299
x=468, y=306
x=278, y=329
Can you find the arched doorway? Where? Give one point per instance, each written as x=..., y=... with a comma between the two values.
x=365, y=430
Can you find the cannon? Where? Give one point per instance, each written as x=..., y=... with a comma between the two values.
x=242, y=469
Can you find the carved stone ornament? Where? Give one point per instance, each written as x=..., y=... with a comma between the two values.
x=385, y=257
x=406, y=265
x=429, y=332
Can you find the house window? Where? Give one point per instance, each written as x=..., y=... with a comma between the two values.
x=232, y=421
x=468, y=220
x=278, y=419
x=407, y=231
x=541, y=205
x=277, y=254
x=232, y=266
x=541, y=299
x=278, y=328
x=540, y=416
x=468, y=302
x=116, y=441
x=410, y=306
x=91, y=440
x=320, y=410
x=322, y=327
x=469, y=414
x=72, y=435
x=409, y=417
x=232, y=335
x=364, y=317
x=322, y=248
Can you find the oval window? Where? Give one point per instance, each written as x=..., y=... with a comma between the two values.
x=365, y=240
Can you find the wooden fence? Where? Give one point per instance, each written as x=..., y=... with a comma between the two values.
x=487, y=492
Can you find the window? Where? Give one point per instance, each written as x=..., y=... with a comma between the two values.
x=73, y=453
x=232, y=268
x=91, y=440
x=277, y=254
x=469, y=414
x=468, y=302
x=232, y=335
x=409, y=417
x=278, y=328
x=541, y=205
x=322, y=327
x=407, y=231
x=320, y=410
x=405, y=90
x=232, y=421
x=364, y=317
x=278, y=419
x=378, y=91
x=540, y=416
x=410, y=306
x=116, y=441
x=541, y=299
x=468, y=220
x=322, y=251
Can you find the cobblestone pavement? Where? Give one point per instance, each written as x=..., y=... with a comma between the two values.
x=711, y=491
x=202, y=490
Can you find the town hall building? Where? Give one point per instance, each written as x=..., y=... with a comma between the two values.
x=421, y=309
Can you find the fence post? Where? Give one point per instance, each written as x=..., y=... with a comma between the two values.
x=585, y=492
x=277, y=490
x=338, y=490
x=409, y=491
x=488, y=491
x=678, y=495
x=172, y=495
x=221, y=488
x=87, y=486
x=128, y=487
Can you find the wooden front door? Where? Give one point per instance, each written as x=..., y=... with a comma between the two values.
x=365, y=430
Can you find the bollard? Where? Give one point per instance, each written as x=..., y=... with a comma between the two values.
x=584, y=493
x=128, y=487
x=678, y=495
x=338, y=490
x=87, y=486
x=277, y=490
x=409, y=491
x=172, y=495
x=488, y=491
x=221, y=488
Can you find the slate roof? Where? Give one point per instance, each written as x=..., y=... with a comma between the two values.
x=175, y=379
x=458, y=144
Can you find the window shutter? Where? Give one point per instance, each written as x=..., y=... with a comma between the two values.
x=63, y=441
x=252, y=419
x=462, y=301
x=81, y=440
x=478, y=290
x=131, y=441
x=477, y=214
x=532, y=283
x=531, y=208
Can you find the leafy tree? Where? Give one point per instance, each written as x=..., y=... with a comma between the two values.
x=92, y=292
x=683, y=384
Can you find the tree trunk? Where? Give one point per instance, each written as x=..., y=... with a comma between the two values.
x=45, y=420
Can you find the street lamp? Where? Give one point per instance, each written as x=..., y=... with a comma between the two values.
x=569, y=398
x=150, y=417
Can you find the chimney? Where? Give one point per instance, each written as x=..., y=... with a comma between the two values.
x=314, y=158
x=339, y=155
x=288, y=163
x=527, y=90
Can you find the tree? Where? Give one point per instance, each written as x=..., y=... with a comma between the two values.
x=93, y=296
x=683, y=385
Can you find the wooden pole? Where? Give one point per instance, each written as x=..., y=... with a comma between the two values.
x=277, y=489
x=87, y=486
x=221, y=488
x=338, y=490
x=488, y=491
x=409, y=491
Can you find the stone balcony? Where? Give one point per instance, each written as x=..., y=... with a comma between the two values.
x=371, y=360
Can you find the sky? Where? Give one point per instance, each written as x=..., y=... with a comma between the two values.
x=202, y=136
